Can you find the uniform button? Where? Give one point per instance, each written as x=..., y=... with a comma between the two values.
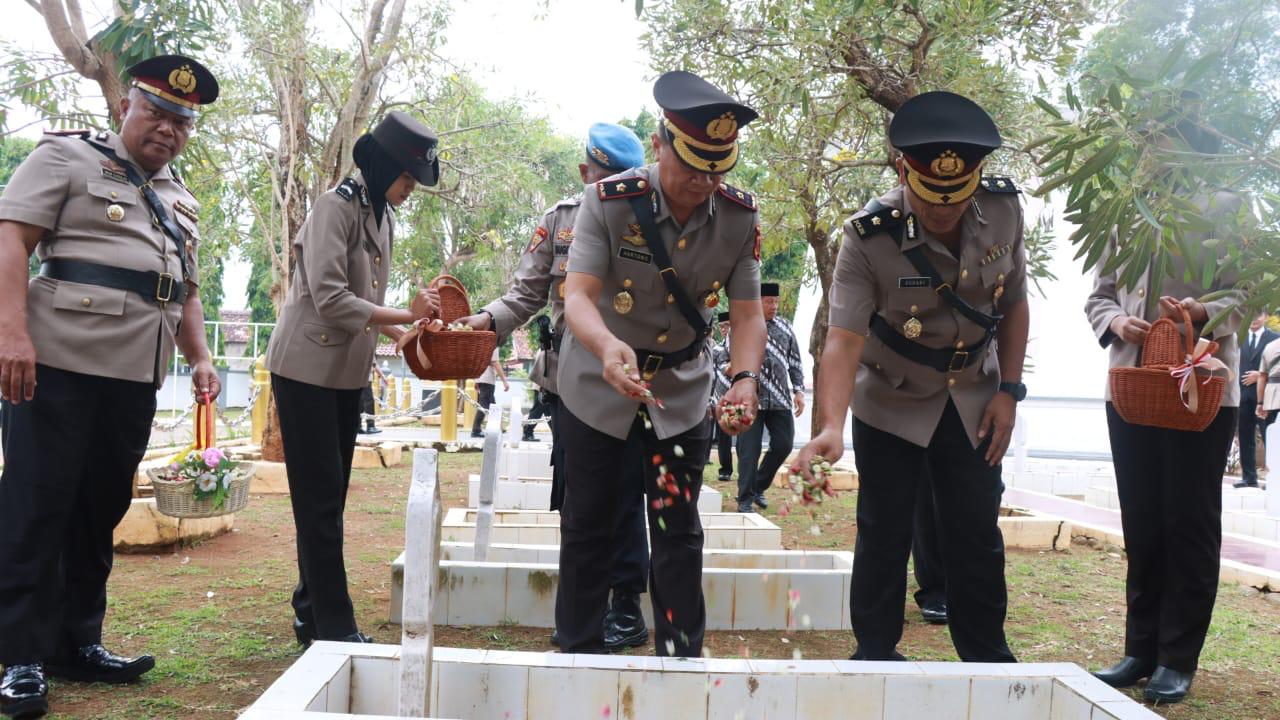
x=375, y=284
x=367, y=328
x=324, y=338
x=377, y=259
x=915, y=309
x=114, y=194
x=626, y=283
x=964, y=273
x=86, y=302
x=715, y=285
x=1142, y=292
x=878, y=366
x=670, y=298
x=564, y=266
x=951, y=382
x=959, y=344
x=682, y=243
x=1000, y=278
x=662, y=338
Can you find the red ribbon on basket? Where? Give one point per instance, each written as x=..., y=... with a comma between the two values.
x=1203, y=360
x=205, y=431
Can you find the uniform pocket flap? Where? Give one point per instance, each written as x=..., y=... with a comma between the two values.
x=187, y=224
x=912, y=301
x=113, y=192
x=88, y=298
x=324, y=335
x=995, y=273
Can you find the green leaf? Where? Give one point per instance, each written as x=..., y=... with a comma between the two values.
x=1114, y=97
x=1048, y=107
x=1172, y=59
x=1219, y=317
x=1145, y=210
x=1201, y=66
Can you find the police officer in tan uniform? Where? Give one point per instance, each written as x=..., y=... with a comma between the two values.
x=929, y=310
x=652, y=249
x=322, y=347
x=83, y=348
x=610, y=149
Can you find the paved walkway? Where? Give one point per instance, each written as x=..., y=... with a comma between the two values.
x=1256, y=553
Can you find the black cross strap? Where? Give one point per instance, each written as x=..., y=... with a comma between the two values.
x=922, y=265
x=642, y=205
x=153, y=201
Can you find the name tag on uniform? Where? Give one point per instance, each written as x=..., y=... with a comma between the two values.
x=562, y=249
x=913, y=282
x=116, y=176
x=633, y=254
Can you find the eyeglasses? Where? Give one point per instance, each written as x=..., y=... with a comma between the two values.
x=181, y=125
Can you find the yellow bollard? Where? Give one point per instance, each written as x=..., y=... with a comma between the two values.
x=406, y=393
x=469, y=408
x=261, y=381
x=377, y=396
x=449, y=411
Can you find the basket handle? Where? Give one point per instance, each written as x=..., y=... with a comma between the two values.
x=448, y=281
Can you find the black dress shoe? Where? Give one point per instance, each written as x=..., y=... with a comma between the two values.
x=894, y=656
x=624, y=624
x=745, y=507
x=1168, y=686
x=94, y=663
x=1127, y=672
x=724, y=476
x=759, y=500
x=555, y=637
x=355, y=637
x=1244, y=484
x=24, y=693
x=934, y=614
x=303, y=632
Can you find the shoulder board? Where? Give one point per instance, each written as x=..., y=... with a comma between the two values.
x=999, y=184
x=349, y=188
x=621, y=188
x=885, y=218
x=742, y=197
x=82, y=133
x=574, y=201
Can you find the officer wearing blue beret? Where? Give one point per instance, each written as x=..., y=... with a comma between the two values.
x=610, y=149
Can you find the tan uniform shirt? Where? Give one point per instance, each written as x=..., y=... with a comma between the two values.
x=872, y=275
x=539, y=279
x=1109, y=300
x=716, y=248
x=1270, y=366
x=324, y=336
x=73, y=191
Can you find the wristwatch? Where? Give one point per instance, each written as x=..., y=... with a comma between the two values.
x=1017, y=390
x=743, y=375
x=493, y=322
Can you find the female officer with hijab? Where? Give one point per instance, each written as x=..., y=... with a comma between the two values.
x=321, y=349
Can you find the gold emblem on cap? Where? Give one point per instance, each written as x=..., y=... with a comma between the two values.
x=623, y=302
x=912, y=328
x=599, y=155
x=636, y=237
x=948, y=164
x=183, y=80
x=115, y=213
x=723, y=127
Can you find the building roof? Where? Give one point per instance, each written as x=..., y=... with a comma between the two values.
x=521, y=346
x=233, y=332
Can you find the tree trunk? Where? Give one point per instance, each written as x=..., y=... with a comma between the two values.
x=824, y=260
x=272, y=444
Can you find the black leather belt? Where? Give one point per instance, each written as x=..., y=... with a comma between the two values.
x=159, y=288
x=942, y=360
x=651, y=362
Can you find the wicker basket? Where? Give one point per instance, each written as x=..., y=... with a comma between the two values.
x=177, y=498
x=1149, y=395
x=450, y=354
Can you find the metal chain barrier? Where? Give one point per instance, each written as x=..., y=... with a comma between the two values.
x=418, y=410
x=171, y=425
x=246, y=414
x=483, y=411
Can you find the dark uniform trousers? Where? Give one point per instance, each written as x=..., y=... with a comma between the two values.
x=541, y=409
x=755, y=477
x=318, y=428
x=1249, y=426
x=966, y=493
x=68, y=480
x=1170, y=488
x=629, y=568
x=486, y=393
x=926, y=556
x=595, y=474
x=724, y=450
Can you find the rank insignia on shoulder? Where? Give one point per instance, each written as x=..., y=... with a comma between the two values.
x=880, y=220
x=999, y=184
x=349, y=188
x=621, y=188
x=741, y=197
x=186, y=211
x=82, y=133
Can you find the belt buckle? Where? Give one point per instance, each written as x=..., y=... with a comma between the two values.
x=168, y=291
x=652, y=364
x=963, y=356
